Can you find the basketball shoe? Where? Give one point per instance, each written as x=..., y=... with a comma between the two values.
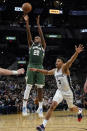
x=80, y=115
x=40, y=128
x=40, y=112
x=24, y=111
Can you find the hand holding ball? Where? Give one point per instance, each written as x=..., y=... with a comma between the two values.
x=26, y=7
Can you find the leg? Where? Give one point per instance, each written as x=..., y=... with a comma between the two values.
x=29, y=81
x=40, y=94
x=26, y=96
x=74, y=109
x=56, y=100
x=69, y=98
x=48, y=115
x=40, y=98
x=78, y=110
x=51, y=109
x=40, y=83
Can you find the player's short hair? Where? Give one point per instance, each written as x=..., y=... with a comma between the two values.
x=62, y=58
x=37, y=36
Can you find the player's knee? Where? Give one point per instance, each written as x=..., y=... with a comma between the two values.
x=53, y=106
x=39, y=86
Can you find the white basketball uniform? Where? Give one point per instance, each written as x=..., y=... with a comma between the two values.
x=64, y=91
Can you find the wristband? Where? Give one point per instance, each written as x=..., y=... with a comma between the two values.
x=14, y=72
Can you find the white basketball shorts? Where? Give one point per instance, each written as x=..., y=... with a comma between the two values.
x=66, y=95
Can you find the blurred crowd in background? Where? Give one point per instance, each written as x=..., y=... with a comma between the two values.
x=12, y=91
x=12, y=87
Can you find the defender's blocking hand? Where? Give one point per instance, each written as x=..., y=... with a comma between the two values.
x=79, y=49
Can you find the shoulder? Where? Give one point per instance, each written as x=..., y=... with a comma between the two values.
x=33, y=44
x=65, y=69
x=42, y=48
x=54, y=70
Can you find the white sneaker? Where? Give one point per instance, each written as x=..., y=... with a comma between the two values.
x=24, y=111
x=40, y=112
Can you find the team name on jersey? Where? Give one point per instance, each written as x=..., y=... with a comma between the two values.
x=60, y=75
x=36, y=47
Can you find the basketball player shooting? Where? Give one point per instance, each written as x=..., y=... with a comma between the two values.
x=36, y=56
x=62, y=76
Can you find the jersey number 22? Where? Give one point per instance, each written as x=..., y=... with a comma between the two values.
x=36, y=52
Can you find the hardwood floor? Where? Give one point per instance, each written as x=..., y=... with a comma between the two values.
x=60, y=121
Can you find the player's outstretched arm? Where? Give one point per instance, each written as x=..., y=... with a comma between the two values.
x=45, y=72
x=41, y=33
x=11, y=72
x=78, y=50
x=29, y=37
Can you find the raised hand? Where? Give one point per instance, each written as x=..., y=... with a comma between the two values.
x=32, y=69
x=20, y=71
x=79, y=49
x=26, y=18
x=38, y=19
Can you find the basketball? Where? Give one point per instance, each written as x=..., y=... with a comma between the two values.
x=26, y=7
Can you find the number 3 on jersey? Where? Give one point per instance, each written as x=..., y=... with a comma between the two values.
x=59, y=81
x=36, y=52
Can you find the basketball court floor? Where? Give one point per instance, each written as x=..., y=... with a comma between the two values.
x=60, y=121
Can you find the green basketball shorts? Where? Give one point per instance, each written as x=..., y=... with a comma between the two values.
x=35, y=77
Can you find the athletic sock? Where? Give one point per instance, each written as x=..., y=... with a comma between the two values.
x=45, y=122
x=26, y=94
x=40, y=104
x=24, y=103
x=80, y=111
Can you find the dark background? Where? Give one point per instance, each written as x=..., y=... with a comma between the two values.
x=67, y=26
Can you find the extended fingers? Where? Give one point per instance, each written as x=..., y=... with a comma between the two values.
x=81, y=46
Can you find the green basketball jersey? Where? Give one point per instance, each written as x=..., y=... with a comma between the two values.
x=36, y=54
